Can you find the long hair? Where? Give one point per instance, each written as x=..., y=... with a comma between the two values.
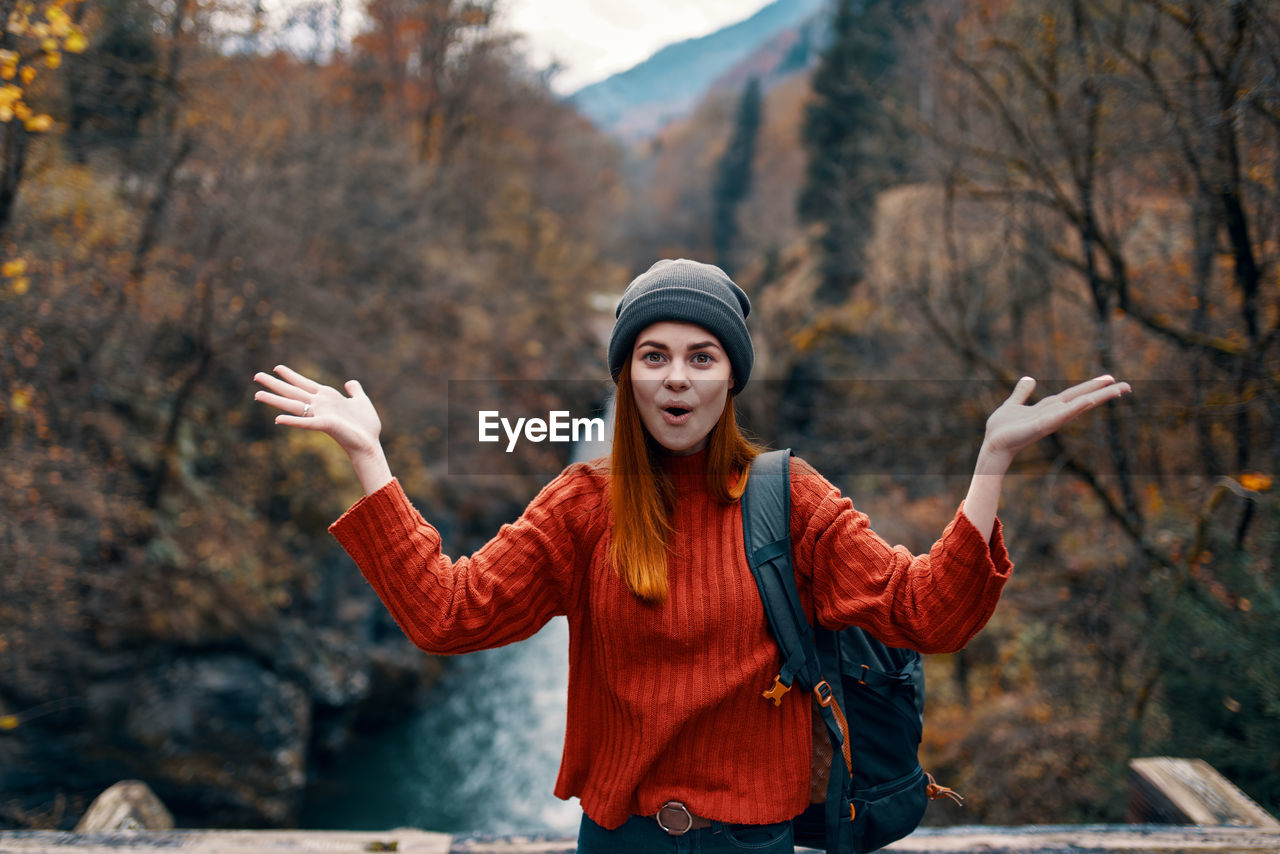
x=642, y=497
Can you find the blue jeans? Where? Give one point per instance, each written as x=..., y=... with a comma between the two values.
x=643, y=836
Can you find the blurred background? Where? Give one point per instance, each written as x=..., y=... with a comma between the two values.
x=924, y=201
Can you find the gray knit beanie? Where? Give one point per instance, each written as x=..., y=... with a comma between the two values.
x=687, y=291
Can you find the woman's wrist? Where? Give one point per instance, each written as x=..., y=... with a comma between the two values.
x=992, y=461
x=371, y=467
x=984, y=489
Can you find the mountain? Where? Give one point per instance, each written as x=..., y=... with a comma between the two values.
x=636, y=103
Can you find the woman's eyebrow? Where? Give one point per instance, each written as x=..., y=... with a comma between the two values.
x=697, y=345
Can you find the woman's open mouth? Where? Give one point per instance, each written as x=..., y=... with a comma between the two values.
x=676, y=415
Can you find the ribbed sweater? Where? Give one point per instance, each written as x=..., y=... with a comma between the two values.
x=665, y=700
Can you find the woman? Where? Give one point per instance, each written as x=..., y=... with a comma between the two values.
x=669, y=745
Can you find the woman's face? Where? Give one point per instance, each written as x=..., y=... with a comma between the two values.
x=680, y=377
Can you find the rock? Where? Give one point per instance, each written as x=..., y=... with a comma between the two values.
x=224, y=727
x=128, y=805
x=223, y=738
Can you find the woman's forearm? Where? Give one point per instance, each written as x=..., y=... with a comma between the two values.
x=984, y=490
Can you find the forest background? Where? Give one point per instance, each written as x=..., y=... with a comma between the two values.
x=957, y=193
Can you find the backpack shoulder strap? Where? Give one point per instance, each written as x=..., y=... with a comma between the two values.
x=766, y=529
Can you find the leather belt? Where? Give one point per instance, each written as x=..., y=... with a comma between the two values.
x=675, y=818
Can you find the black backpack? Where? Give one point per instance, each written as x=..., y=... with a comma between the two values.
x=879, y=688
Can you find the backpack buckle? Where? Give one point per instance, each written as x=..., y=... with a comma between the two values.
x=777, y=692
x=824, y=694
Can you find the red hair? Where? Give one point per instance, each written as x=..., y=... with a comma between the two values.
x=642, y=496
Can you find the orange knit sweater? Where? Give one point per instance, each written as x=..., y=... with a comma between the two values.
x=664, y=700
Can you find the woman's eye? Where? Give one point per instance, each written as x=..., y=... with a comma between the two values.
x=653, y=357
x=702, y=358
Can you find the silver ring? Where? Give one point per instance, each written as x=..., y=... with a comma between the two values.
x=306, y=410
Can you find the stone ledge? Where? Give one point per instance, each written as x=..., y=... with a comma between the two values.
x=1058, y=839
x=227, y=841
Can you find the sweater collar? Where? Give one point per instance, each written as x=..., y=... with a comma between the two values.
x=687, y=468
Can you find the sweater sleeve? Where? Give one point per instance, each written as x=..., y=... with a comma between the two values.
x=934, y=602
x=503, y=593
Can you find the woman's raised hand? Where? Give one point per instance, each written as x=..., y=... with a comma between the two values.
x=1014, y=425
x=349, y=418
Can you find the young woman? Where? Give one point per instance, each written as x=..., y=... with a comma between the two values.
x=669, y=744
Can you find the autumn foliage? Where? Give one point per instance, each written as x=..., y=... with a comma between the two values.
x=1090, y=186
x=388, y=214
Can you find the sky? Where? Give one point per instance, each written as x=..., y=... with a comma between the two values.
x=593, y=39
x=590, y=39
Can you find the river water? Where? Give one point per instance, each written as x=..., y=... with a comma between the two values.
x=480, y=757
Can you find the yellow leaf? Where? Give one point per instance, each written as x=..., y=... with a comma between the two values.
x=28, y=74
x=8, y=722
x=39, y=124
x=58, y=19
x=16, y=267
x=53, y=60
x=49, y=44
x=21, y=286
x=1256, y=481
x=22, y=111
x=75, y=43
x=20, y=400
x=6, y=113
x=7, y=71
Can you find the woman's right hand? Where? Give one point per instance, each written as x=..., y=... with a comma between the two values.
x=349, y=418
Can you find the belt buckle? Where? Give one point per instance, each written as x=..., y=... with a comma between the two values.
x=677, y=807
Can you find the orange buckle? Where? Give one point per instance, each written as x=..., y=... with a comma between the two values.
x=824, y=694
x=934, y=790
x=777, y=692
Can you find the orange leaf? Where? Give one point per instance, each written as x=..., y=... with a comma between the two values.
x=1256, y=481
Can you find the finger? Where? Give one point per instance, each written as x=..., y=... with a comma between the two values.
x=305, y=383
x=288, y=405
x=281, y=388
x=1088, y=401
x=1086, y=387
x=354, y=389
x=1022, y=390
x=1110, y=392
x=308, y=423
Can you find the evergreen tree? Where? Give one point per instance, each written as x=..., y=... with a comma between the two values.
x=851, y=134
x=733, y=175
x=1220, y=661
x=113, y=86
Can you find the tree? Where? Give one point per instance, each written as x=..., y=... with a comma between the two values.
x=34, y=35
x=733, y=175
x=114, y=84
x=154, y=522
x=1103, y=199
x=851, y=134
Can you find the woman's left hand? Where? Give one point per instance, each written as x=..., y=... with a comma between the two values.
x=1015, y=425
